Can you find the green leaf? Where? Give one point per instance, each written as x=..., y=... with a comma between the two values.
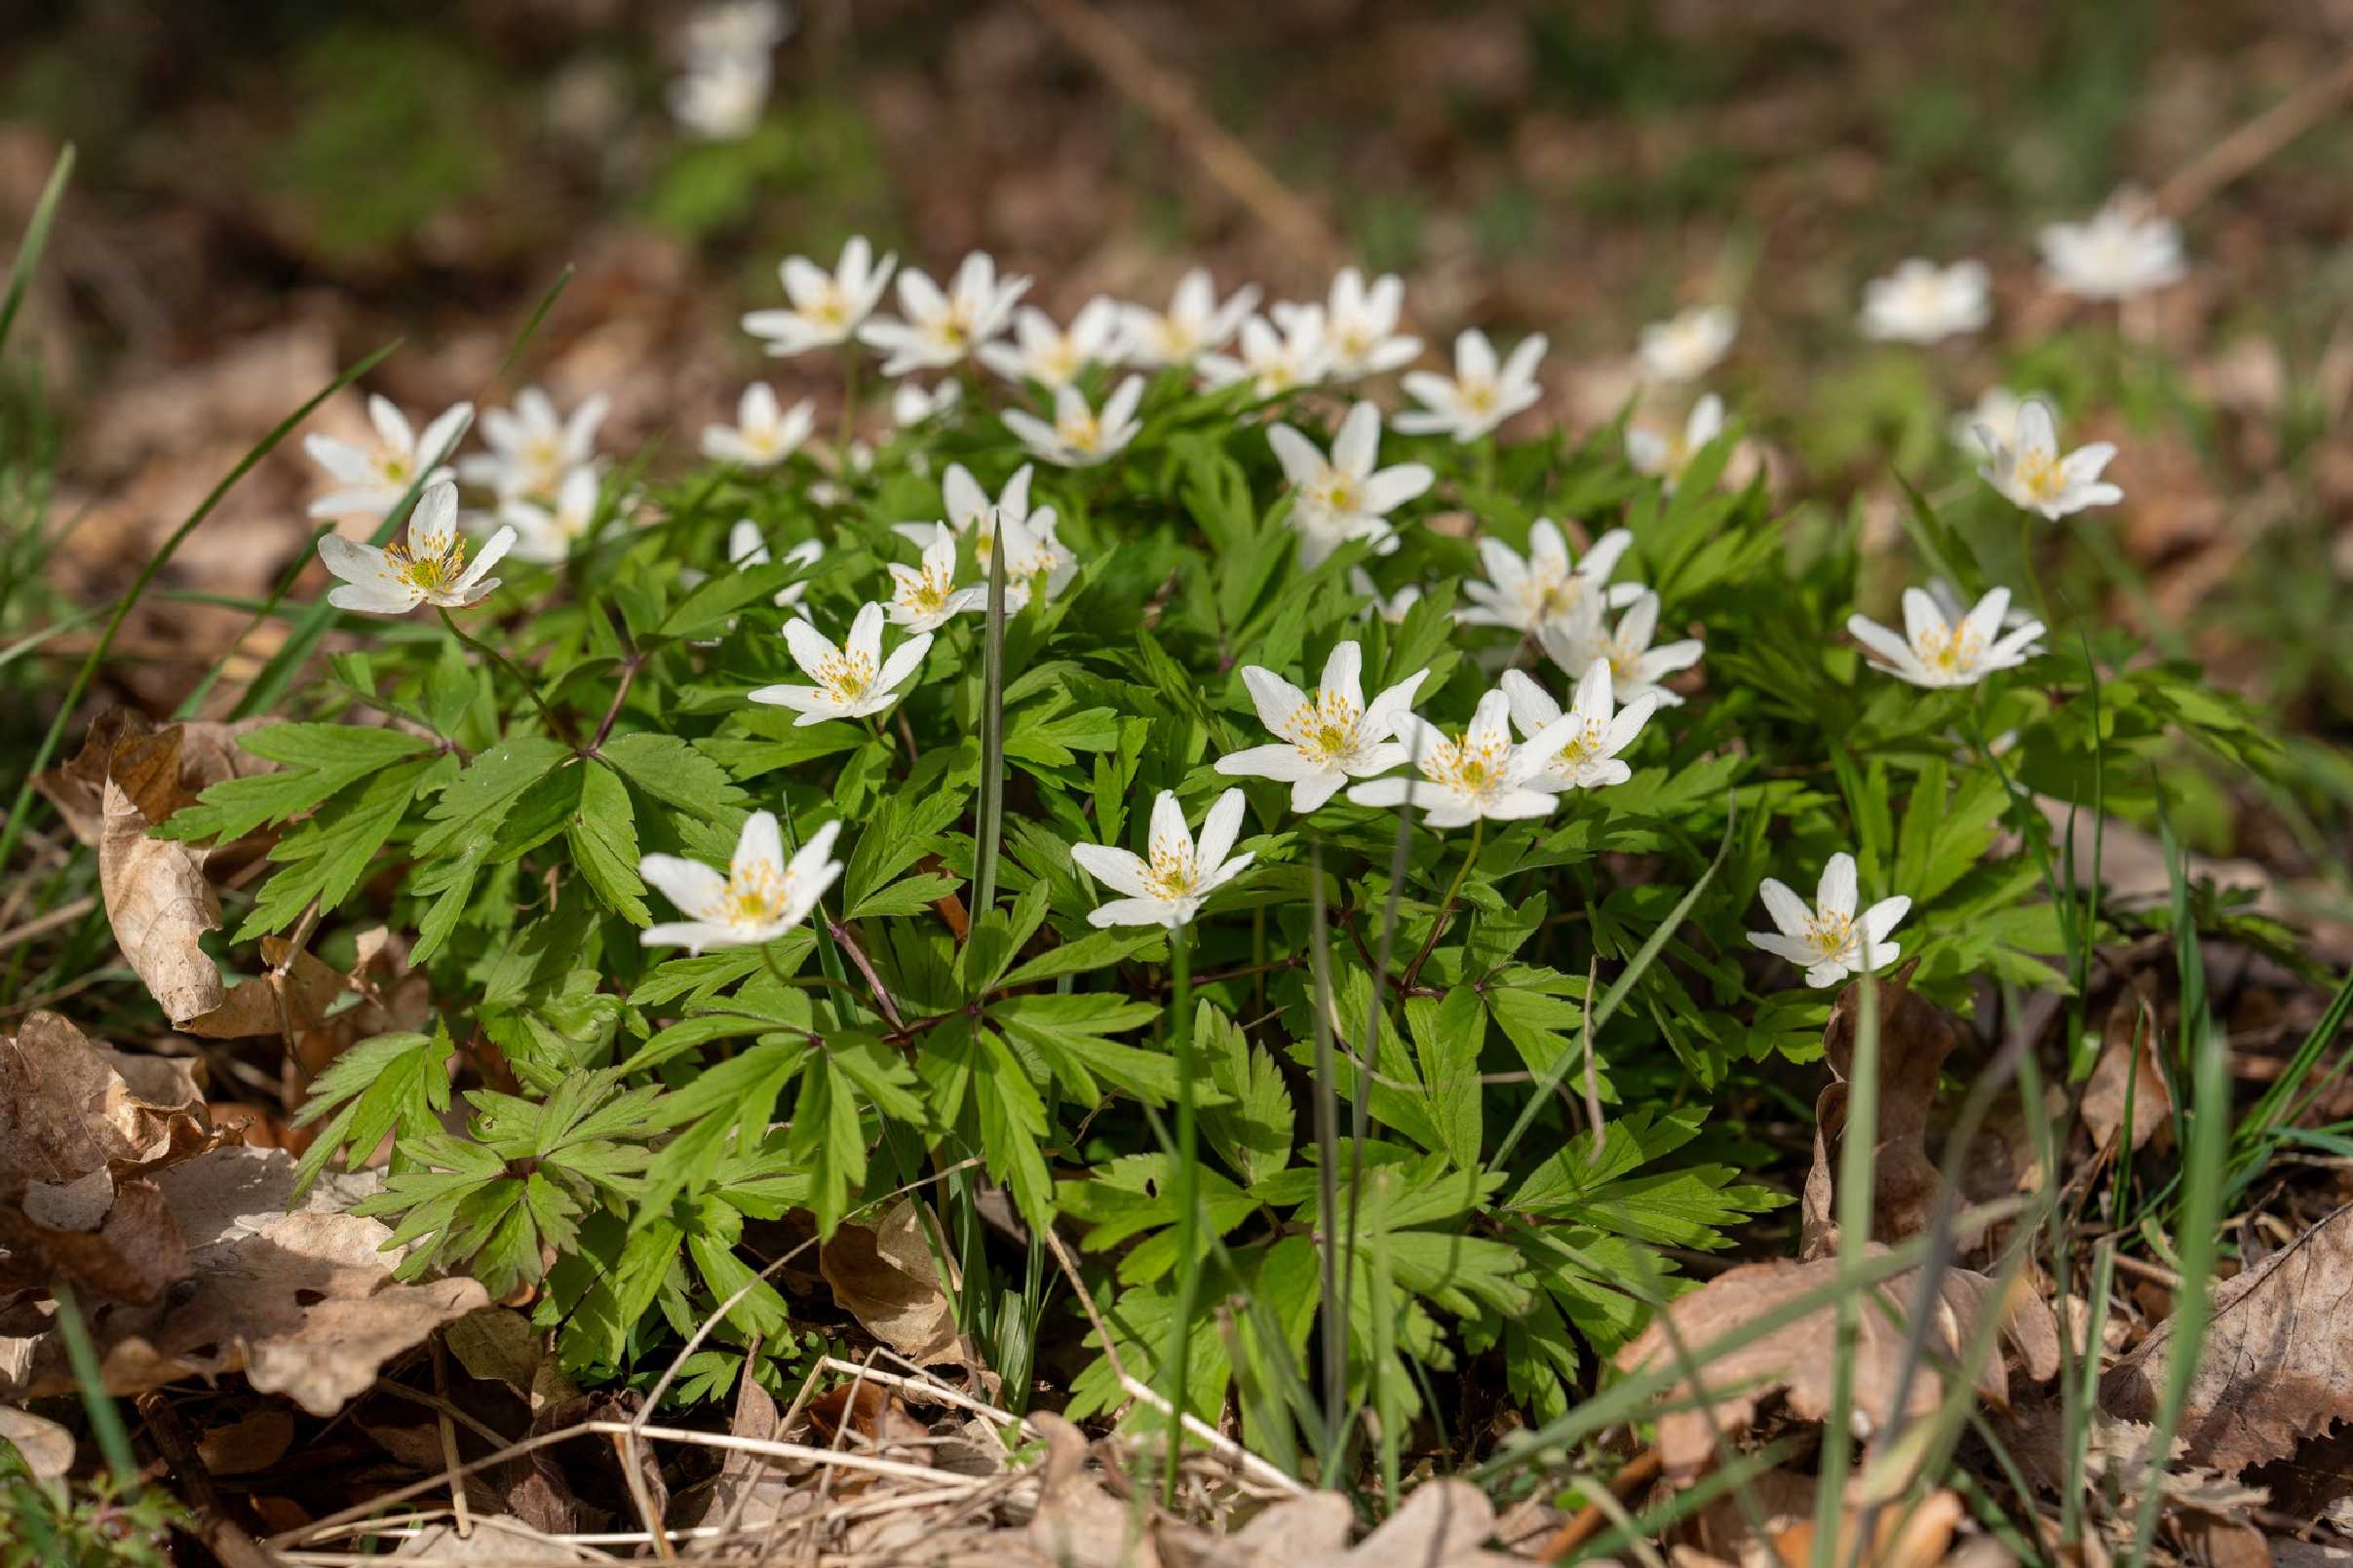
x=319, y=760
x=604, y=837
x=1072, y=1033
x=392, y=1081
x=1253, y=1134
x=466, y=818
x=326, y=857
x=903, y=828
x=676, y=774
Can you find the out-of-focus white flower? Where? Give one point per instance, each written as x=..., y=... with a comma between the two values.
x=1169, y=888
x=430, y=568
x=1391, y=607
x=1949, y=605
x=1938, y=650
x=852, y=681
x=531, y=448
x=1667, y=456
x=1635, y=668
x=1480, y=395
x=746, y=549
x=1343, y=497
x=1033, y=550
x=546, y=533
x=1689, y=344
x=371, y=479
x=1525, y=593
x=1995, y=416
x=723, y=99
x=2030, y=471
x=827, y=306
x=1597, y=730
x=1274, y=363
x=735, y=29
x=1360, y=326
x=1483, y=775
x=1328, y=739
x=1035, y=557
x=761, y=897
x=1828, y=941
x=2115, y=253
x=1193, y=325
x=924, y=599
x=1046, y=353
x=1079, y=437
x=1921, y=302
x=763, y=435
x=939, y=329
x=911, y=406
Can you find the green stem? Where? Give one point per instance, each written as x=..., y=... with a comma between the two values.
x=105, y=1420
x=1188, y=1205
x=514, y=673
x=1445, y=910
x=849, y=408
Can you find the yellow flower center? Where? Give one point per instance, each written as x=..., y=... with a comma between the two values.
x=845, y=676
x=1340, y=493
x=924, y=595
x=1583, y=747
x=1169, y=876
x=1476, y=768
x=395, y=468
x=1828, y=933
x=1479, y=396
x=430, y=565
x=1324, y=729
x=756, y=894
x=2040, y=475
x=1084, y=433
x=1950, y=649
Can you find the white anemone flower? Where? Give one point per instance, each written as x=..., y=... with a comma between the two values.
x=940, y=328
x=1390, y=607
x=911, y=406
x=1329, y=738
x=722, y=99
x=1598, y=729
x=1921, y=302
x=1360, y=326
x=1993, y=418
x=1524, y=592
x=761, y=897
x=925, y=597
x=371, y=479
x=1080, y=436
x=1941, y=650
x=827, y=306
x=1950, y=606
x=1689, y=344
x=1480, y=776
x=1194, y=323
x=2030, y=471
x=1169, y=888
x=970, y=510
x=1343, y=497
x=853, y=680
x=546, y=533
x=1274, y=361
x=1480, y=396
x=746, y=549
x=1828, y=941
x=1051, y=355
x=531, y=447
x=1667, y=456
x=1637, y=670
x=430, y=568
x=2114, y=254
x=763, y=433
x=1035, y=558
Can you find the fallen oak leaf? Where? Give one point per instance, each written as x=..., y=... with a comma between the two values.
x=886, y=1275
x=160, y=771
x=1800, y=1359
x=69, y=1108
x=46, y=1447
x=2272, y=1370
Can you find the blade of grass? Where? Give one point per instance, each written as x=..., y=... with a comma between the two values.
x=1187, y=1181
x=988, y=827
x=1858, y=1147
x=105, y=1420
x=13, y=831
x=277, y=675
x=35, y=242
x=1642, y=959
x=1334, y=1335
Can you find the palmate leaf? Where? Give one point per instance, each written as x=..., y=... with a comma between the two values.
x=466, y=818
x=318, y=759
x=326, y=857
x=395, y=1081
x=603, y=837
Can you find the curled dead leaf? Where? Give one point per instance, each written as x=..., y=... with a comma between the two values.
x=887, y=1277
x=1800, y=1359
x=46, y=1447
x=69, y=1107
x=158, y=770
x=303, y=1303
x=2126, y=1071
x=1915, y=1036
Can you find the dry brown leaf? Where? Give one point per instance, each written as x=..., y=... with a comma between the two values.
x=254, y=1441
x=886, y=1277
x=2273, y=1370
x=2127, y=1069
x=133, y=1252
x=69, y=1108
x=303, y=1303
x=1798, y=1359
x=494, y=1543
x=499, y=1344
x=1914, y=1537
x=1442, y=1523
x=46, y=1448
x=159, y=771
x=1915, y=1036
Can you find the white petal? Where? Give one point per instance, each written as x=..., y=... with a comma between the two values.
x=1788, y=911
x=1218, y=830
x=695, y=888
x=1116, y=868
x=1838, y=891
